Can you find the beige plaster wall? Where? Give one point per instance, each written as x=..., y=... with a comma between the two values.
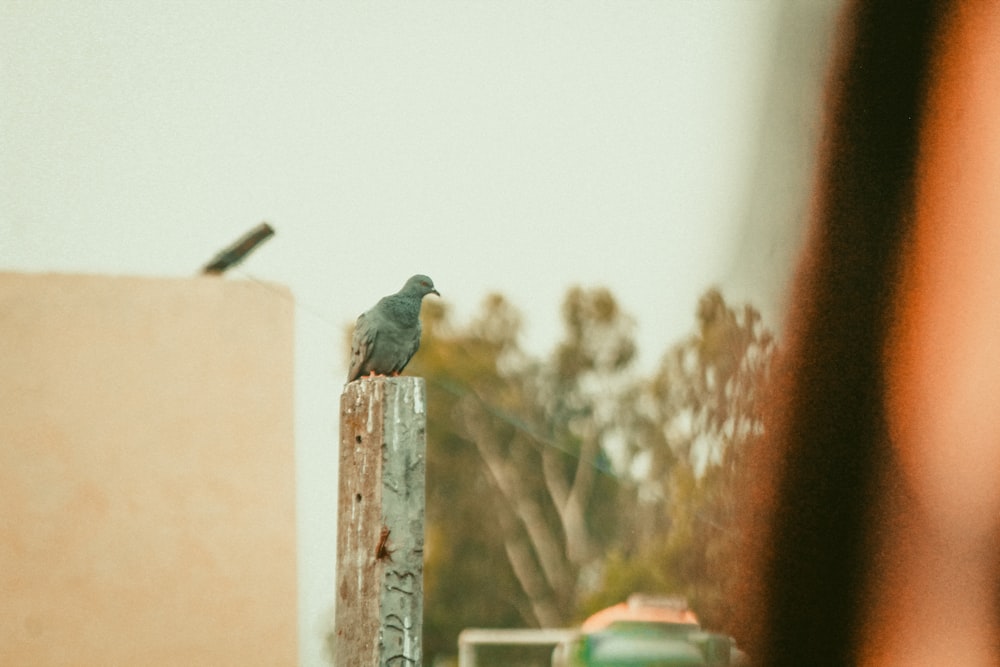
x=147, y=498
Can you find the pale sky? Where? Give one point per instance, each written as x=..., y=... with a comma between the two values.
x=515, y=146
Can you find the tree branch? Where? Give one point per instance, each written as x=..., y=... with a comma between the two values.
x=545, y=545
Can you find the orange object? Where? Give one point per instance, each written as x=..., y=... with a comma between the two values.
x=642, y=608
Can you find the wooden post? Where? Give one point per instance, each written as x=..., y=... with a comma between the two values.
x=380, y=526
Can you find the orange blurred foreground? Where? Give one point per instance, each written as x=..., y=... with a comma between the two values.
x=936, y=604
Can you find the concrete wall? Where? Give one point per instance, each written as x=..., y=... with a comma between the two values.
x=147, y=498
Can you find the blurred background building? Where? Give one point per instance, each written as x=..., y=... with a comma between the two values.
x=147, y=474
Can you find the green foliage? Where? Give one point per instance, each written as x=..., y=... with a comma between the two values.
x=702, y=411
x=561, y=485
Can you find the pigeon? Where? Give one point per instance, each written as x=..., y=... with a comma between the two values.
x=387, y=335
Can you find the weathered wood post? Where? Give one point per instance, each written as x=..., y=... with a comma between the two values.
x=380, y=526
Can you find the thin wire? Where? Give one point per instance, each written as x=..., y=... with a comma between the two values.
x=462, y=390
x=296, y=303
x=457, y=389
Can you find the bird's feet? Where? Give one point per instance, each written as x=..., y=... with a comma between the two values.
x=372, y=375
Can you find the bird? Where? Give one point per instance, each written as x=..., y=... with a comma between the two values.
x=387, y=335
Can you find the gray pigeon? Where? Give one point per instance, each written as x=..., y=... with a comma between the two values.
x=387, y=335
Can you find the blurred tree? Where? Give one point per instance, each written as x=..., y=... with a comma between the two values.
x=522, y=495
x=468, y=581
x=558, y=486
x=699, y=413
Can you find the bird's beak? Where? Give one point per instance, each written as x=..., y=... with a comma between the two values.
x=434, y=291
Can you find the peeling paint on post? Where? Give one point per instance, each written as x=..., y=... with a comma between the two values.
x=380, y=527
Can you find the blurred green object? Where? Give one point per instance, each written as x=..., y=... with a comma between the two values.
x=647, y=632
x=648, y=644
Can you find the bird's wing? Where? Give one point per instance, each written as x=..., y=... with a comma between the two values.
x=407, y=353
x=361, y=345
